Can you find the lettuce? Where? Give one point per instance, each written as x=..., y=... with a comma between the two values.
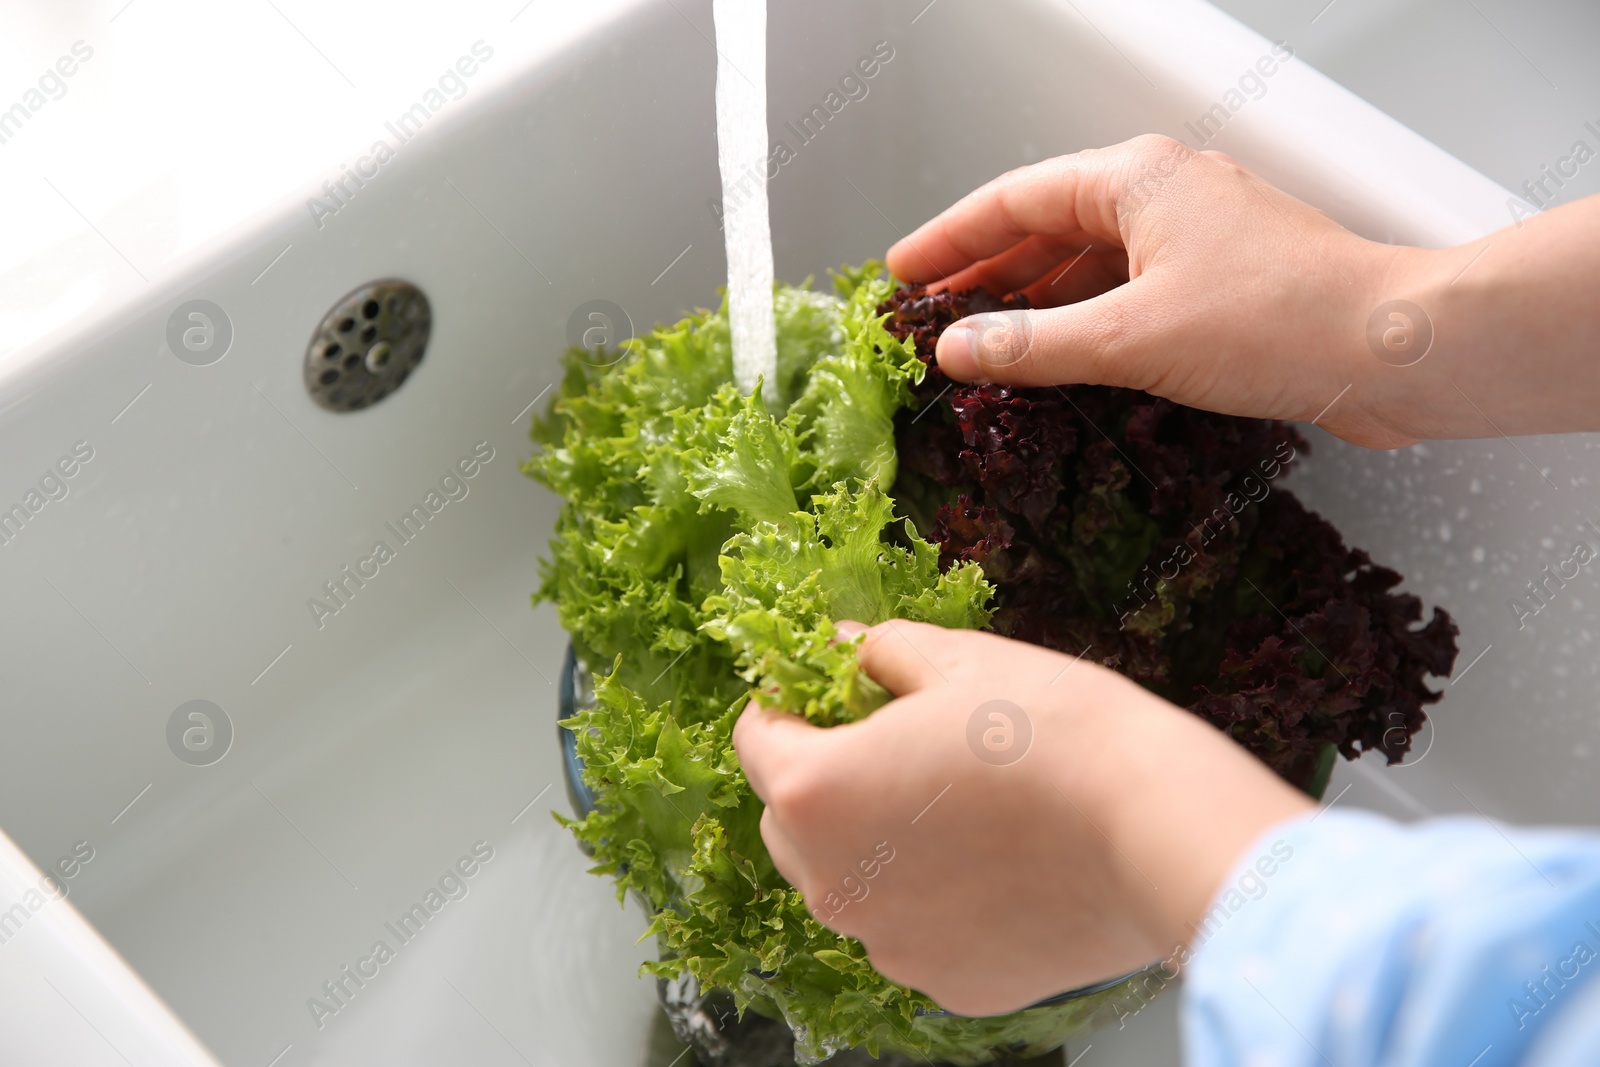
x=709, y=545
x=1156, y=539
x=706, y=550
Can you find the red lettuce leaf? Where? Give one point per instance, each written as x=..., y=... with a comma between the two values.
x=1156, y=538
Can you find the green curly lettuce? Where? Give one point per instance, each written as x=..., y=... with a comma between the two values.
x=707, y=549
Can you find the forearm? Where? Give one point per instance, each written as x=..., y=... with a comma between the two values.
x=1515, y=319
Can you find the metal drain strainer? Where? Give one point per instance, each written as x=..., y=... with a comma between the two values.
x=366, y=347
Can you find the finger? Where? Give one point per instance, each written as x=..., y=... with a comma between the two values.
x=1086, y=270
x=785, y=854
x=902, y=656
x=1020, y=265
x=766, y=740
x=1111, y=339
x=1080, y=279
x=1086, y=192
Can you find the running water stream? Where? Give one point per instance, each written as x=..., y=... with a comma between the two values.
x=741, y=33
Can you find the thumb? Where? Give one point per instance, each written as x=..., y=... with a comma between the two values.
x=1110, y=339
x=767, y=740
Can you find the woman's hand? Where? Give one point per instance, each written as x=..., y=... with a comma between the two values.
x=1243, y=300
x=1015, y=824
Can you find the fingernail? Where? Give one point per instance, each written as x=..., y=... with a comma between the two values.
x=848, y=628
x=1002, y=339
x=957, y=353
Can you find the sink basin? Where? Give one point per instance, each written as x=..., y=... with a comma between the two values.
x=285, y=753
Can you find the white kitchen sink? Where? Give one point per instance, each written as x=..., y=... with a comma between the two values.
x=375, y=747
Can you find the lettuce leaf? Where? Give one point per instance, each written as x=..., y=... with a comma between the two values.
x=706, y=551
x=1155, y=539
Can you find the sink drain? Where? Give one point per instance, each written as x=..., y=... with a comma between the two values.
x=366, y=347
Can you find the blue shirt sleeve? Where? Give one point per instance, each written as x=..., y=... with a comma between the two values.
x=1343, y=939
